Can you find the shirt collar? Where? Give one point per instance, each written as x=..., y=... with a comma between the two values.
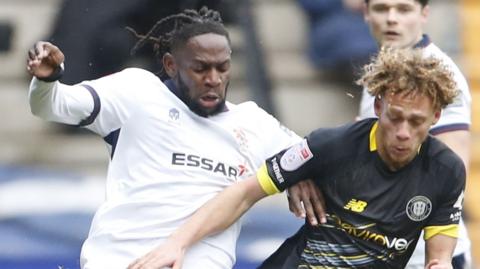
x=424, y=42
x=373, y=139
x=171, y=86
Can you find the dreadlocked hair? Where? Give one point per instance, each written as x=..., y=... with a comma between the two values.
x=174, y=31
x=408, y=70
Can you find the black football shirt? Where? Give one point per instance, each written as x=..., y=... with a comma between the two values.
x=374, y=215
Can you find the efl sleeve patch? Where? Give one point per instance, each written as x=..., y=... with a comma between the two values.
x=296, y=156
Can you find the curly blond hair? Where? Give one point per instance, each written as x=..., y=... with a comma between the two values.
x=408, y=70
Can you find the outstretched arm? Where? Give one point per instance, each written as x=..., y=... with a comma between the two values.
x=213, y=217
x=49, y=99
x=439, y=251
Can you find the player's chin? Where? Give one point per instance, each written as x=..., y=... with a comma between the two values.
x=401, y=160
x=205, y=111
x=212, y=108
x=211, y=111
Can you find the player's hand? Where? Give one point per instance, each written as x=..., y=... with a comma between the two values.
x=437, y=264
x=168, y=255
x=43, y=59
x=306, y=200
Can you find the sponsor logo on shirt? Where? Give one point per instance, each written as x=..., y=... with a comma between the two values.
x=296, y=156
x=173, y=114
x=356, y=205
x=183, y=159
x=364, y=232
x=454, y=217
x=243, y=169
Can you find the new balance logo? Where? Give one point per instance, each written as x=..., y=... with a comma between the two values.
x=356, y=205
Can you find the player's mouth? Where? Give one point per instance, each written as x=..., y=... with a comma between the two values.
x=401, y=151
x=391, y=35
x=209, y=100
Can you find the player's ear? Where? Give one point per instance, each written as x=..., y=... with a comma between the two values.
x=366, y=14
x=436, y=116
x=170, y=65
x=425, y=13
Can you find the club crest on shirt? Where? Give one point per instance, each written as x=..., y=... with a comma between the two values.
x=296, y=156
x=241, y=139
x=419, y=208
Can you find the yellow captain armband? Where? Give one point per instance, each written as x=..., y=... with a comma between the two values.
x=448, y=230
x=265, y=181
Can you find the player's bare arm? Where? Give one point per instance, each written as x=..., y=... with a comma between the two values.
x=213, y=217
x=439, y=251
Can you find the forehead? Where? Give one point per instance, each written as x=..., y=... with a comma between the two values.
x=409, y=103
x=393, y=2
x=207, y=47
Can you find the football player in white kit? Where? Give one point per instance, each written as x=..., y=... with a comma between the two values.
x=174, y=144
x=399, y=24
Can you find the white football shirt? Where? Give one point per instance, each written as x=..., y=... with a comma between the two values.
x=166, y=161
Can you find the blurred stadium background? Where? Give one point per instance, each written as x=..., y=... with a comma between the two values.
x=51, y=182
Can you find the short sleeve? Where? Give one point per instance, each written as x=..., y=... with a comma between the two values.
x=449, y=211
x=288, y=167
x=118, y=95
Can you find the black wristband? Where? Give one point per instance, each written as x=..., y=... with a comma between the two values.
x=56, y=75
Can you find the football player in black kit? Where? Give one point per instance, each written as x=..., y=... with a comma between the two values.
x=384, y=180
